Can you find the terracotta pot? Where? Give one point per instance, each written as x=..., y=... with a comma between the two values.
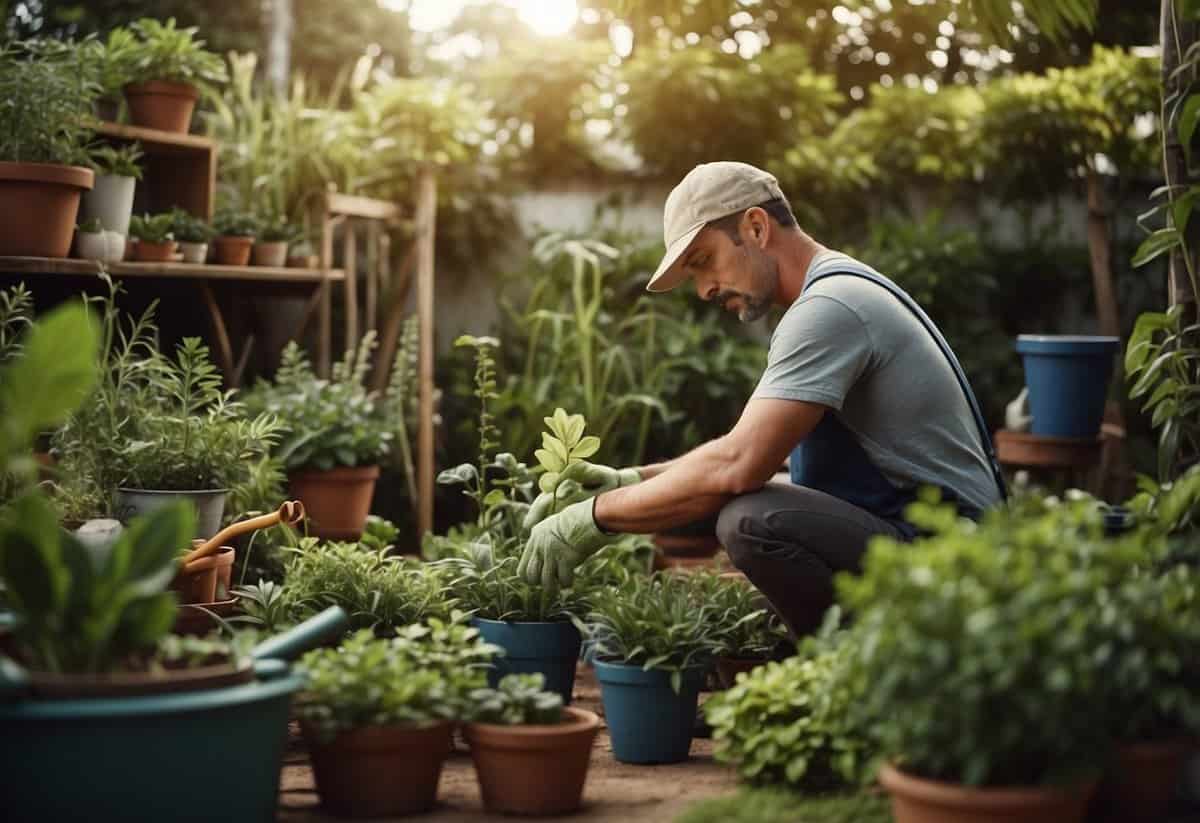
x=146, y=252
x=728, y=668
x=197, y=619
x=162, y=105
x=337, y=501
x=917, y=800
x=379, y=771
x=200, y=580
x=270, y=254
x=533, y=769
x=232, y=251
x=1140, y=782
x=40, y=202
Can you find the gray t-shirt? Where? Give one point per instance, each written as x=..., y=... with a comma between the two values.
x=849, y=344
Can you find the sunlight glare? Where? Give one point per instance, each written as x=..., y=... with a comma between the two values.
x=548, y=17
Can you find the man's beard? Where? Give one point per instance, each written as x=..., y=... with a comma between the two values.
x=752, y=307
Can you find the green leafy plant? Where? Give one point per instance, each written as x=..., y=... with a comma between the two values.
x=116, y=54
x=1012, y=612
x=789, y=723
x=279, y=230
x=749, y=628
x=120, y=162
x=564, y=446
x=90, y=226
x=165, y=52
x=264, y=606
x=232, y=223
x=333, y=422
x=420, y=677
x=187, y=228
x=95, y=608
x=47, y=90
x=152, y=228
x=375, y=589
x=772, y=805
x=517, y=700
x=16, y=318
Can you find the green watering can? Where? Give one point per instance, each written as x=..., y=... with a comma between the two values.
x=199, y=755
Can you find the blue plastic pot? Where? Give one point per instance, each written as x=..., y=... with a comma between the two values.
x=549, y=649
x=1068, y=382
x=648, y=721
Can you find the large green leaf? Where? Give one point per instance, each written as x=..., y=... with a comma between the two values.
x=30, y=558
x=157, y=540
x=1157, y=244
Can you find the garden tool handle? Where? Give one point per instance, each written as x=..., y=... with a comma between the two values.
x=290, y=512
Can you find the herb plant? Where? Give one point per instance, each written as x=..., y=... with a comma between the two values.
x=16, y=318
x=188, y=228
x=165, y=52
x=517, y=700
x=278, y=230
x=232, y=223
x=152, y=229
x=749, y=628
x=120, y=162
x=47, y=90
x=263, y=604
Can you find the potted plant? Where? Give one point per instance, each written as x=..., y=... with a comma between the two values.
x=193, y=235
x=115, y=54
x=155, y=242
x=271, y=247
x=166, y=70
x=111, y=199
x=48, y=96
x=654, y=640
x=92, y=242
x=377, y=715
x=751, y=633
x=338, y=434
x=531, y=754
x=235, y=232
x=301, y=254
x=1000, y=621
x=1067, y=378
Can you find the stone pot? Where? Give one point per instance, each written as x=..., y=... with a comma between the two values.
x=40, y=202
x=209, y=505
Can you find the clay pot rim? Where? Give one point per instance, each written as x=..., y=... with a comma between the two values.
x=533, y=735
x=940, y=793
x=338, y=473
x=157, y=243
x=223, y=557
x=393, y=736
x=232, y=239
x=173, y=88
x=57, y=174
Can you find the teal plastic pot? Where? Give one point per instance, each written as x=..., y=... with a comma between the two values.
x=550, y=649
x=1067, y=378
x=648, y=721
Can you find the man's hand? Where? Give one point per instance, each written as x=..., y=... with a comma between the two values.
x=580, y=481
x=560, y=543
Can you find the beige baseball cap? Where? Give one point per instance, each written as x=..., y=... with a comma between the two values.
x=708, y=192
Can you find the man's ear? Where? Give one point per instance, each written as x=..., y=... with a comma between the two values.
x=757, y=226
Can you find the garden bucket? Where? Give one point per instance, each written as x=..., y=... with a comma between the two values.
x=648, y=721
x=1067, y=378
x=550, y=649
x=209, y=505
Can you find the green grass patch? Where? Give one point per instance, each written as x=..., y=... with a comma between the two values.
x=780, y=806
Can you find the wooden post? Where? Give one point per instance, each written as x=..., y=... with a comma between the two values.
x=325, y=309
x=425, y=237
x=349, y=263
x=1100, y=255
x=371, y=308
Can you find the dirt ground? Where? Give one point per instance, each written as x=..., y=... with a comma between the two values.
x=614, y=791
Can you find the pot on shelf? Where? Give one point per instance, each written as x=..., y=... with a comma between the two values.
x=1067, y=377
x=379, y=771
x=162, y=105
x=533, y=769
x=205, y=580
x=270, y=254
x=337, y=500
x=110, y=201
x=231, y=250
x=40, y=202
x=917, y=800
x=648, y=721
x=147, y=252
x=194, y=252
x=103, y=246
x=208, y=504
x=550, y=649
x=303, y=261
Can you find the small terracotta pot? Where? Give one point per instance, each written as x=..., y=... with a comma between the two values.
x=379, y=771
x=146, y=252
x=1140, y=781
x=198, y=581
x=533, y=769
x=162, y=105
x=270, y=254
x=728, y=668
x=40, y=202
x=232, y=251
x=197, y=619
x=917, y=800
x=337, y=501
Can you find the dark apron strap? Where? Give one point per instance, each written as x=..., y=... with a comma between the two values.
x=984, y=437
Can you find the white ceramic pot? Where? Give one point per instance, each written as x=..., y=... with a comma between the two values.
x=194, y=252
x=270, y=254
x=111, y=200
x=105, y=246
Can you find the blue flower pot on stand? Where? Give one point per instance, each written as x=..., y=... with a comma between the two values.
x=1068, y=379
x=648, y=721
x=550, y=649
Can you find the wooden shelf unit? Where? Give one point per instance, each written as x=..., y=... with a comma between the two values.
x=181, y=271
x=178, y=169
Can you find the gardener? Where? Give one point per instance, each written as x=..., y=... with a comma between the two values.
x=860, y=390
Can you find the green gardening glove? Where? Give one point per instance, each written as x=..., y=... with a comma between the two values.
x=560, y=543
x=579, y=481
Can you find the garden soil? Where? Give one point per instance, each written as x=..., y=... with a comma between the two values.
x=615, y=792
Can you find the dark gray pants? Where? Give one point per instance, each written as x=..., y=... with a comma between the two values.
x=791, y=540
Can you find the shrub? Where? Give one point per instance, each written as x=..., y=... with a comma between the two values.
x=518, y=700
x=121, y=162
x=749, y=628
x=47, y=91
x=232, y=223
x=165, y=52
x=153, y=229
x=188, y=228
